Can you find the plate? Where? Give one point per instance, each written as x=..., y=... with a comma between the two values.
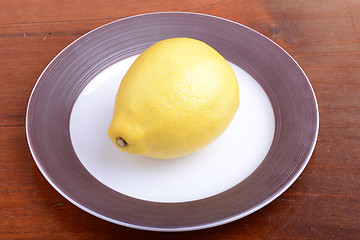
x=54, y=104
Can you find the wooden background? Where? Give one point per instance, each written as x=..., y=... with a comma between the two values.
x=323, y=36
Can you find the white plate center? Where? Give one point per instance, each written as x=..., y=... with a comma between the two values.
x=212, y=170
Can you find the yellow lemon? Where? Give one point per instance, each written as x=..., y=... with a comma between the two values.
x=177, y=97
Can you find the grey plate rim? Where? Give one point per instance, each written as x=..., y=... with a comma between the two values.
x=169, y=229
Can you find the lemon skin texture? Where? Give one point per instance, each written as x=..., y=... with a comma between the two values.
x=177, y=97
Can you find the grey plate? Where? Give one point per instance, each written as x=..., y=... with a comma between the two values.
x=52, y=99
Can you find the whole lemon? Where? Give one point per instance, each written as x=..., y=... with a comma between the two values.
x=177, y=97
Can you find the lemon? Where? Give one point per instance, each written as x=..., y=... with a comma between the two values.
x=177, y=97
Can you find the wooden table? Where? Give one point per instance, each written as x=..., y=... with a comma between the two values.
x=323, y=36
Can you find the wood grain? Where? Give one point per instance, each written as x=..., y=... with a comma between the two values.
x=324, y=38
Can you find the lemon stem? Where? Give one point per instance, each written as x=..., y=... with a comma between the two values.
x=121, y=142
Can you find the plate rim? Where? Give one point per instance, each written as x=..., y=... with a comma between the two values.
x=196, y=227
